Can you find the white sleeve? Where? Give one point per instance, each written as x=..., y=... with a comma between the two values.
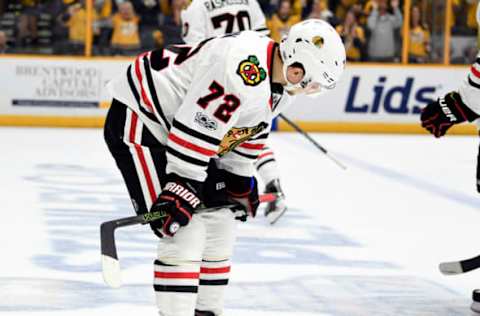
x=258, y=19
x=470, y=88
x=194, y=28
x=241, y=160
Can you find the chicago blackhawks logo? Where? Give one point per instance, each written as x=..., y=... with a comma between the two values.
x=238, y=135
x=250, y=71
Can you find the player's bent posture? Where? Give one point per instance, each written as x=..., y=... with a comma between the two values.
x=204, y=19
x=185, y=127
x=454, y=108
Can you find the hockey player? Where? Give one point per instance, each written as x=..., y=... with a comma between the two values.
x=204, y=19
x=457, y=107
x=185, y=127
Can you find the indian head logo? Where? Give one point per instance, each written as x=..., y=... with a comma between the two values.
x=250, y=71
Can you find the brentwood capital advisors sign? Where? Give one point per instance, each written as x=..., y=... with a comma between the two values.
x=55, y=86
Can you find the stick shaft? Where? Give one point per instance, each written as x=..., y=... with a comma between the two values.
x=313, y=141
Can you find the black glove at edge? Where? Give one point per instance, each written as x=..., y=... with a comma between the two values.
x=179, y=199
x=243, y=190
x=438, y=116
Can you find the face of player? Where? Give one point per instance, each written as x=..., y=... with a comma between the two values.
x=294, y=76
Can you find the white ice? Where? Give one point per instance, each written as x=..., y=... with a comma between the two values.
x=361, y=242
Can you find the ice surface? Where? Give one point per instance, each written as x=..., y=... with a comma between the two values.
x=366, y=241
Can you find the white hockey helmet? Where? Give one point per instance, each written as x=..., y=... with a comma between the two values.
x=316, y=45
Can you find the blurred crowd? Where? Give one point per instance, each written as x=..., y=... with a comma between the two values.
x=370, y=29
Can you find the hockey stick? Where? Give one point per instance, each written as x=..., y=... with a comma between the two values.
x=111, y=265
x=458, y=267
x=313, y=141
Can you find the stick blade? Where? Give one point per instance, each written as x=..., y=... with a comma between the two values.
x=111, y=271
x=451, y=268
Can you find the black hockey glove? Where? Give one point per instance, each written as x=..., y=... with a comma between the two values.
x=244, y=191
x=437, y=117
x=178, y=200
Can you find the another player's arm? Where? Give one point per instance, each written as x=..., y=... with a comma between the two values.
x=455, y=107
x=194, y=19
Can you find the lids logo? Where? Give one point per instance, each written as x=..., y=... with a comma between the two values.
x=250, y=71
x=398, y=98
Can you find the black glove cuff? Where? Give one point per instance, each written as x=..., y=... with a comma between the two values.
x=238, y=185
x=176, y=185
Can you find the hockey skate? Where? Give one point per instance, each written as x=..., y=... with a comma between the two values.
x=475, y=307
x=277, y=208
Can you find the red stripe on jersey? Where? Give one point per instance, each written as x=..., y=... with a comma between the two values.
x=252, y=146
x=475, y=72
x=215, y=270
x=139, y=76
x=182, y=142
x=177, y=275
x=268, y=153
x=141, y=157
x=270, y=52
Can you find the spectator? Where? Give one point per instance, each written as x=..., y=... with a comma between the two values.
x=472, y=14
x=320, y=11
x=75, y=19
x=353, y=37
x=383, y=25
x=125, y=36
x=172, y=24
x=282, y=20
x=158, y=39
x=3, y=43
x=419, y=42
x=27, y=23
x=103, y=23
x=342, y=8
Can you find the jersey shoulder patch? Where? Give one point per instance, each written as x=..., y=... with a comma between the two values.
x=250, y=71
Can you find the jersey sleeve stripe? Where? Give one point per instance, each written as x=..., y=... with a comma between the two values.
x=182, y=142
x=472, y=83
x=151, y=116
x=268, y=153
x=252, y=146
x=186, y=158
x=270, y=58
x=475, y=72
x=143, y=93
x=263, y=163
x=262, y=136
x=245, y=155
x=195, y=133
x=153, y=92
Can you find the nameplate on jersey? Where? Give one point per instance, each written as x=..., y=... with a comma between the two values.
x=250, y=71
x=211, y=5
x=238, y=135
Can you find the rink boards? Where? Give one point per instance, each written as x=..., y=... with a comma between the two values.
x=53, y=91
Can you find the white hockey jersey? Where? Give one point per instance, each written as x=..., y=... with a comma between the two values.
x=470, y=89
x=214, y=100
x=208, y=18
